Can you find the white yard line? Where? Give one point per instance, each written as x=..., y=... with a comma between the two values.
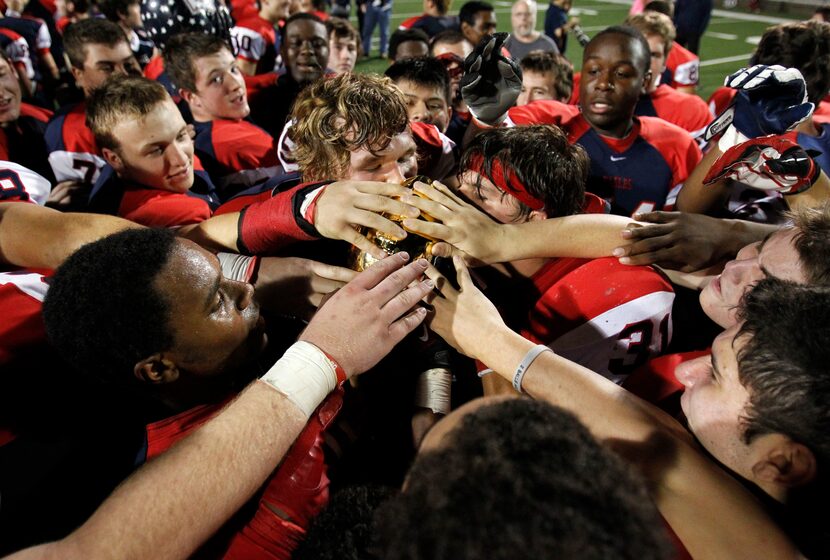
x=716, y=61
x=725, y=36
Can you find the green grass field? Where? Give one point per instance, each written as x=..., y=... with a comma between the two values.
x=726, y=46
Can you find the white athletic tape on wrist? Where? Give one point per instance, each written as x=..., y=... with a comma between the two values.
x=531, y=355
x=731, y=137
x=304, y=374
x=434, y=390
x=236, y=266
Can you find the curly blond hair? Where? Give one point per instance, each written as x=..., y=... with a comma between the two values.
x=334, y=117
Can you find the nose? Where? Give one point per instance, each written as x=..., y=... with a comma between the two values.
x=742, y=272
x=693, y=372
x=395, y=174
x=419, y=113
x=177, y=156
x=243, y=294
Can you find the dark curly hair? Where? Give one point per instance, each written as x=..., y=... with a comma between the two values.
x=804, y=45
x=344, y=529
x=521, y=479
x=541, y=157
x=102, y=313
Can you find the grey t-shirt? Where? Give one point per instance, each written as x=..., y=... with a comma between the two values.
x=519, y=50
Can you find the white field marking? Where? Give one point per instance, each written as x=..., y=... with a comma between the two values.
x=725, y=36
x=582, y=12
x=724, y=13
x=753, y=40
x=716, y=61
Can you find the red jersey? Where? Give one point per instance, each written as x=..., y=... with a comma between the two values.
x=73, y=151
x=608, y=317
x=298, y=487
x=236, y=154
x=256, y=40
x=21, y=298
x=638, y=173
x=682, y=67
x=689, y=112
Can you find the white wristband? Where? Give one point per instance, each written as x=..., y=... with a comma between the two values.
x=531, y=355
x=236, y=266
x=304, y=374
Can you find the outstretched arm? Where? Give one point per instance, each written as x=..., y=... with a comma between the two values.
x=174, y=503
x=36, y=237
x=469, y=231
x=266, y=226
x=714, y=516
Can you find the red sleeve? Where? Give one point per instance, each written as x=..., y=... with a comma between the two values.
x=408, y=23
x=574, y=100
x=156, y=208
x=267, y=226
x=43, y=115
x=240, y=145
x=542, y=112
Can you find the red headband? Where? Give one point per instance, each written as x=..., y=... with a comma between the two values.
x=506, y=182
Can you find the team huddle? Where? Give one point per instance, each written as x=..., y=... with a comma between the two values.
x=596, y=326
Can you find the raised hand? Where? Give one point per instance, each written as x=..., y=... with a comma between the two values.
x=769, y=100
x=769, y=163
x=365, y=319
x=491, y=82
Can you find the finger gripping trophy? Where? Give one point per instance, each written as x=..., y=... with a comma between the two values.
x=416, y=245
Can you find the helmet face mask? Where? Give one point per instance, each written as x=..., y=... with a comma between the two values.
x=165, y=18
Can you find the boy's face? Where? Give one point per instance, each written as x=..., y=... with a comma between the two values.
x=342, y=54
x=306, y=50
x=155, y=151
x=536, y=86
x=103, y=61
x=220, y=88
x=484, y=23
x=479, y=190
x=393, y=164
x=411, y=49
x=10, y=94
x=658, y=59
x=612, y=82
x=275, y=10
x=426, y=104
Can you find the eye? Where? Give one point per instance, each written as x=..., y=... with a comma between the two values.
x=216, y=79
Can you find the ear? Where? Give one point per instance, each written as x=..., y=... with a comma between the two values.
x=786, y=463
x=112, y=158
x=646, y=82
x=77, y=73
x=188, y=96
x=537, y=216
x=156, y=369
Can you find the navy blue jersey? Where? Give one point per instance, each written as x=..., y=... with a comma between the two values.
x=638, y=173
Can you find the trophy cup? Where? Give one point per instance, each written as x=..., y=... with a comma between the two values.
x=416, y=245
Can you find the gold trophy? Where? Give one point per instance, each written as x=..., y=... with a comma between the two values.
x=416, y=245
